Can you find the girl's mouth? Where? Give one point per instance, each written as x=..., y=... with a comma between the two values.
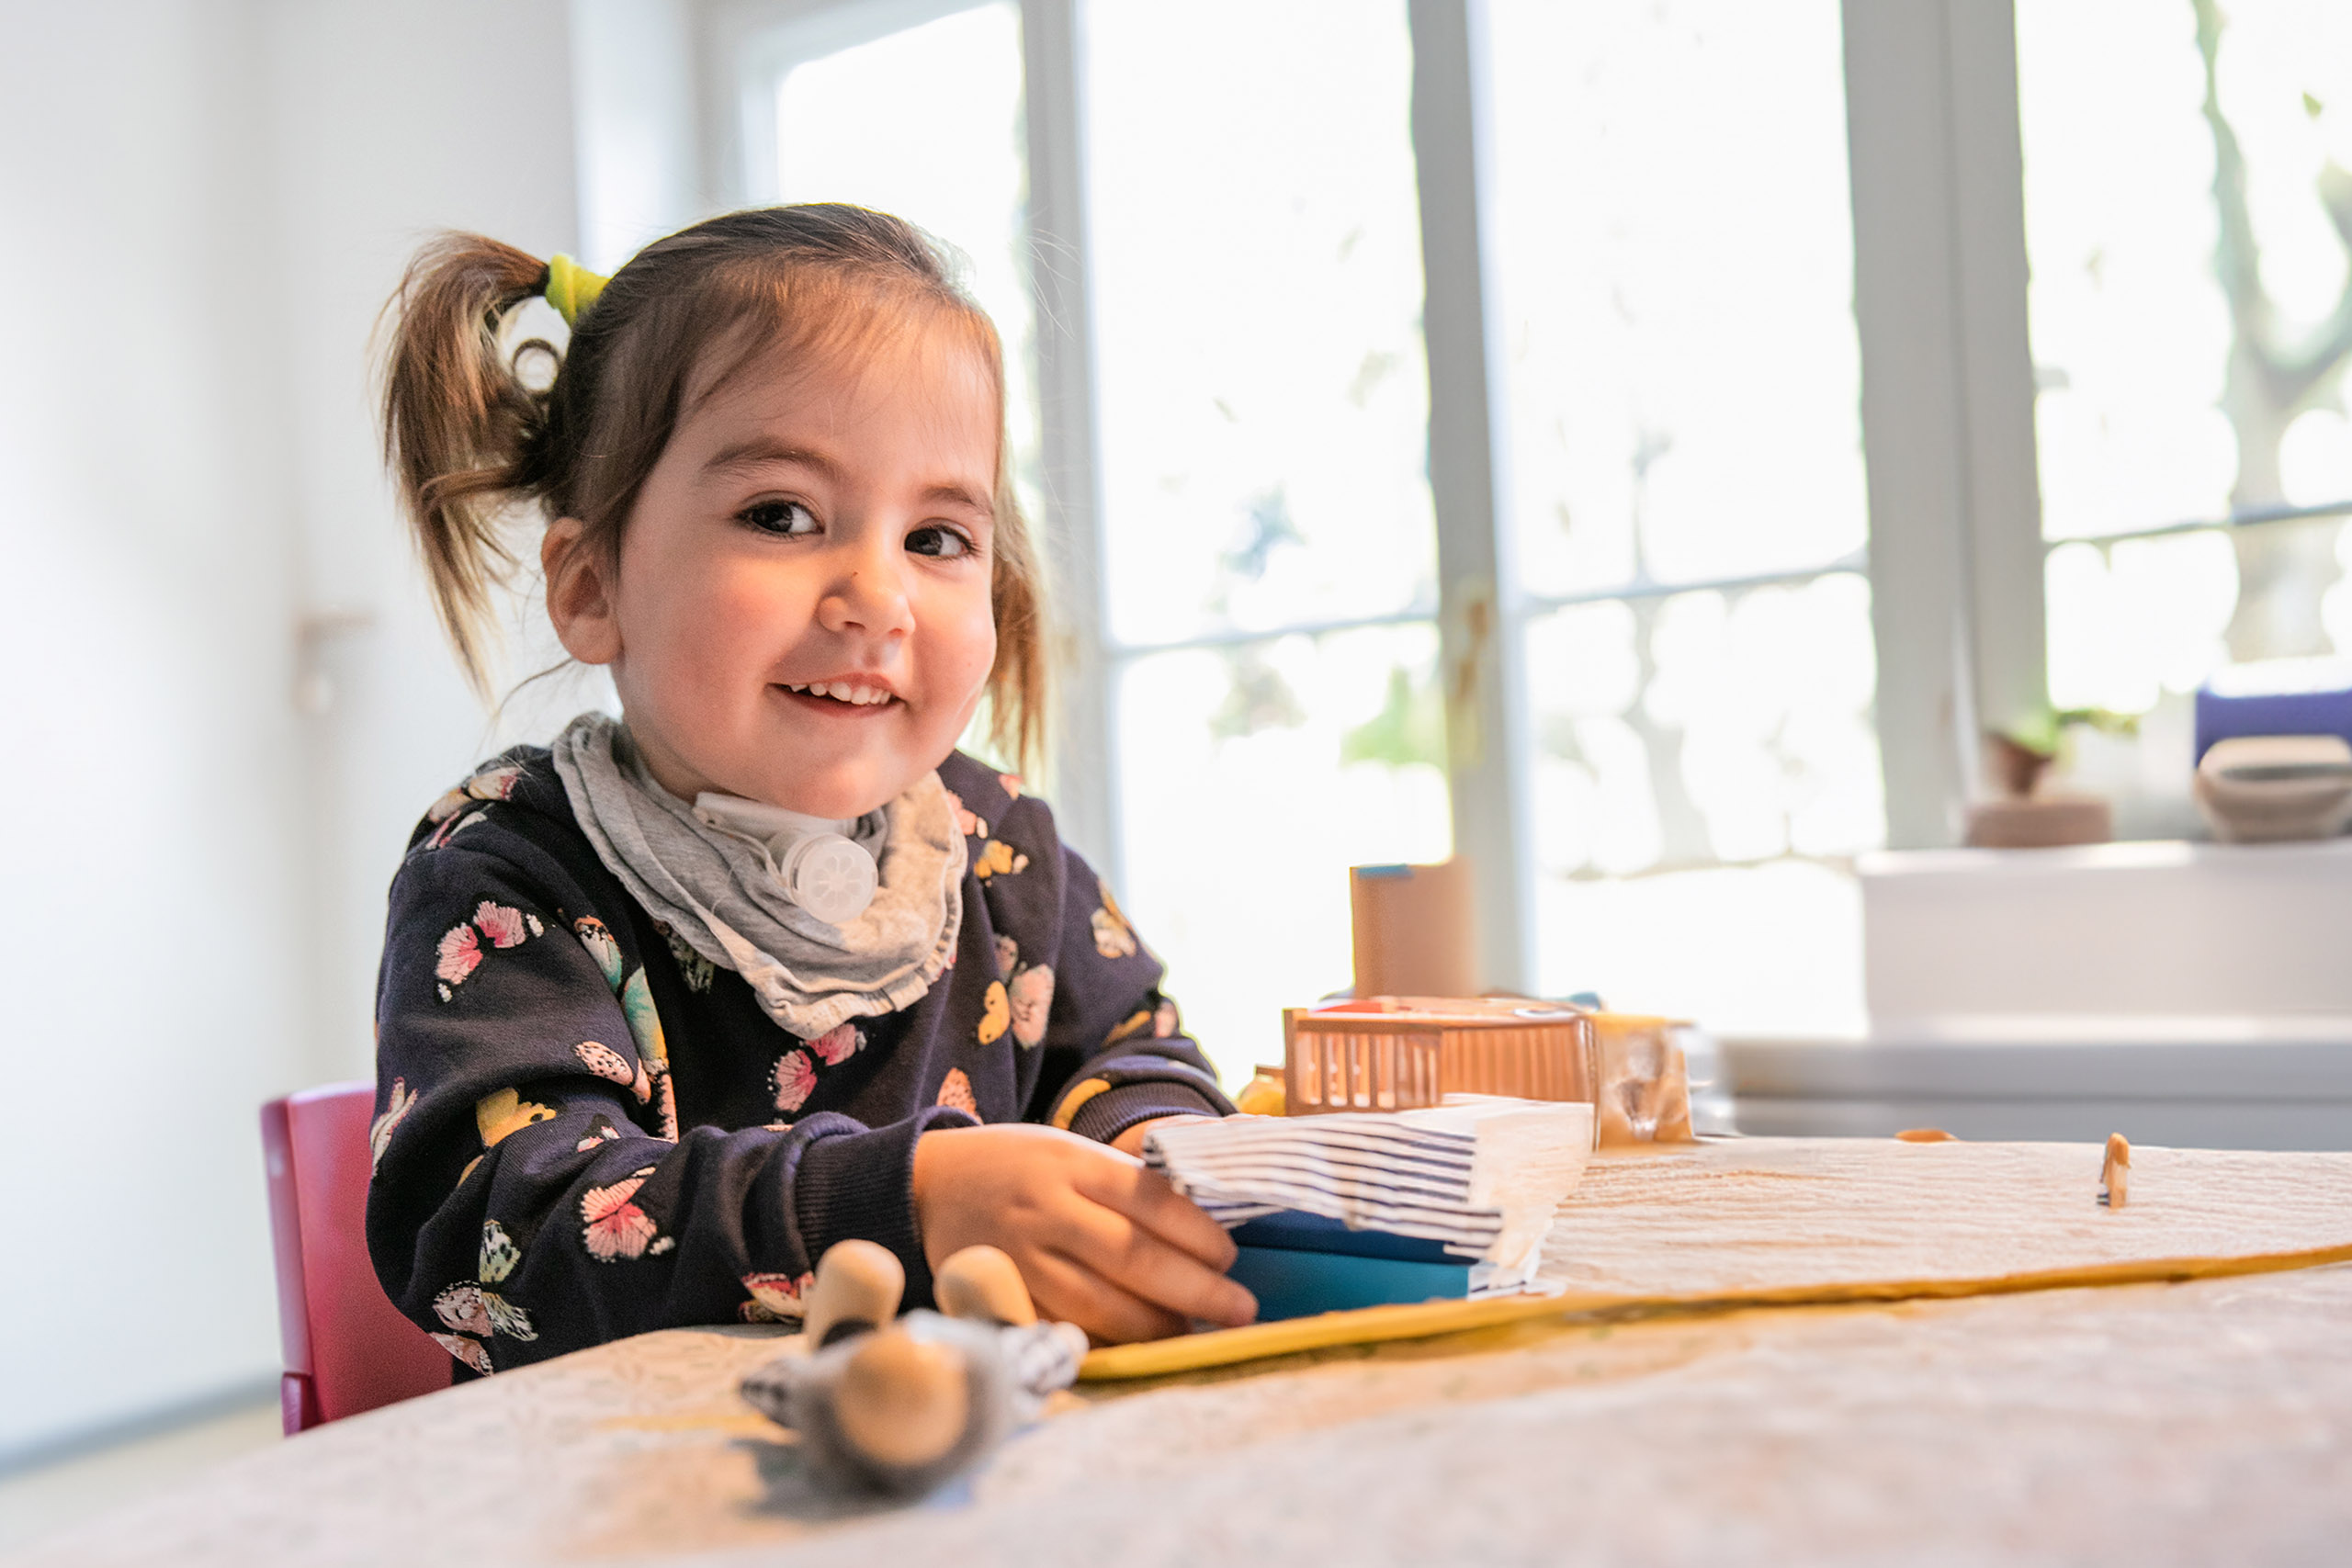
x=840, y=697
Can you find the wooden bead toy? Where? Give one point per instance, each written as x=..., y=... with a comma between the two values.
x=899, y=1406
x=2115, y=1178
x=902, y=1403
x=858, y=1287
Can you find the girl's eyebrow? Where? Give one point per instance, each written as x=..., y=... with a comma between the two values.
x=957, y=495
x=760, y=450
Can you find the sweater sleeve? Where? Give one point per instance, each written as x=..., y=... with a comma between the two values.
x=531, y=1194
x=1114, y=1046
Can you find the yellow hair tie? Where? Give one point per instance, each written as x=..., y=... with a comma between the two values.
x=571, y=287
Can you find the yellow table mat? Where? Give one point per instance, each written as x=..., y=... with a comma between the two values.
x=1794, y=1221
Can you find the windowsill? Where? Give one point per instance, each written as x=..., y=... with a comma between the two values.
x=2214, y=1082
x=2151, y=930
x=2140, y=854
x=2065, y=1054
x=2179, y=992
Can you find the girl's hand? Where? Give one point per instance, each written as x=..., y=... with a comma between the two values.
x=1102, y=1242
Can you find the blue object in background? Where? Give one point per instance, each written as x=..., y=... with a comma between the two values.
x=2299, y=697
x=1313, y=1233
x=1295, y=1283
x=1298, y=1265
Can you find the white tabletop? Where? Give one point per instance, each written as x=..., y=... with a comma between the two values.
x=2147, y=1424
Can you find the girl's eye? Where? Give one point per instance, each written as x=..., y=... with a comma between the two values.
x=787, y=518
x=945, y=544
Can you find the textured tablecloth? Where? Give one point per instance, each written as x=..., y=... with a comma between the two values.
x=2149, y=1424
x=1760, y=1214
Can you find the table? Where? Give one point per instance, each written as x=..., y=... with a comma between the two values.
x=2146, y=1424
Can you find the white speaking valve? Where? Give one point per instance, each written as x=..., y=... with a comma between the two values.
x=828, y=875
x=819, y=868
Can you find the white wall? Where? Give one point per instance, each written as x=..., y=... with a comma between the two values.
x=205, y=203
x=391, y=123
x=639, y=123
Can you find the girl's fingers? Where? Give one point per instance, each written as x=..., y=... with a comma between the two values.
x=1107, y=1242
x=1144, y=1197
x=1072, y=1293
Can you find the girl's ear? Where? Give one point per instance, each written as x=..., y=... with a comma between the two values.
x=580, y=596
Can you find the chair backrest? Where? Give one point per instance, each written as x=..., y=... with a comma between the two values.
x=347, y=1348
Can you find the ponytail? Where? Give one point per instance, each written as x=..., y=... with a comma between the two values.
x=463, y=433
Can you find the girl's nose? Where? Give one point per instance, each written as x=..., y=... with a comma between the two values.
x=869, y=596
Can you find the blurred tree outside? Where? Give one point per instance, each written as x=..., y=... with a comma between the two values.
x=2276, y=371
x=1410, y=728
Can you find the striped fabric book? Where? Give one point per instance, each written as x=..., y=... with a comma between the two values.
x=1473, y=1183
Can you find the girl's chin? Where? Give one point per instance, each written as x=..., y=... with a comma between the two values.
x=852, y=789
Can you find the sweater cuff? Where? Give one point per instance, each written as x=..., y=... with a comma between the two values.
x=1109, y=1112
x=860, y=1184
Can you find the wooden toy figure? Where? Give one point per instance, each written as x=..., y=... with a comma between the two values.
x=898, y=1406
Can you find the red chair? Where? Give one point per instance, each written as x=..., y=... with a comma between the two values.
x=347, y=1348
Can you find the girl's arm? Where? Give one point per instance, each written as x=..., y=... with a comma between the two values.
x=531, y=1195
x=1082, y=989
x=1102, y=1242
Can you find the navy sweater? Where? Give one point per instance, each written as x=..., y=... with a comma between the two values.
x=585, y=1129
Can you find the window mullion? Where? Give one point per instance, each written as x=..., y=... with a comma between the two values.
x=1908, y=315
x=2007, y=617
x=1939, y=301
x=1480, y=642
x=1086, y=781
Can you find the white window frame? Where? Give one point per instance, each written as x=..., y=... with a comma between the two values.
x=1939, y=304
x=1954, y=558
x=1955, y=552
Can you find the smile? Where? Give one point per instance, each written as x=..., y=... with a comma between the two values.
x=845, y=691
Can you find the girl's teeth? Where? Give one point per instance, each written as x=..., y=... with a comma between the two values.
x=841, y=692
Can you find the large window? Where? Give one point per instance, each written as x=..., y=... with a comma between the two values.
x=2187, y=205
x=1676, y=271
x=1268, y=550
x=1790, y=473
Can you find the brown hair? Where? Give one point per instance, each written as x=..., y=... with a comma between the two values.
x=467, y=438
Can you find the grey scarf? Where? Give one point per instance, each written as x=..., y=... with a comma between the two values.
x=716, y=890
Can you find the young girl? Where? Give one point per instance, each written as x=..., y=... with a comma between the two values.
x=668, y=1009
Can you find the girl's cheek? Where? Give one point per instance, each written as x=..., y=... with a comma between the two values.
x=737, y=616
x=979, y=654
x=961, y=673
x=714, y=644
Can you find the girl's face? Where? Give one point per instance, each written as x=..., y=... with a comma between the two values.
x=800, y=611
